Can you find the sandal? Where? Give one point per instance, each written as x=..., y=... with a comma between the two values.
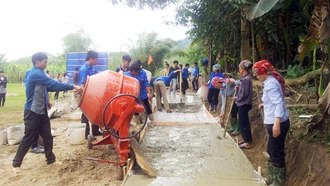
x=169, y=111
x=241, y=142
x=242, y=146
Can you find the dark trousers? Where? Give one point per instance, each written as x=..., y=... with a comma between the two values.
x=35, y=141
x=2, y=99
x=244, y=122
x=213, y=96
x=275, y=146
x=195, y=83
x=146, y=103
x=56, y=94
x=234, y=111
x=185, y=85
x=34, y=125
x=95, y=128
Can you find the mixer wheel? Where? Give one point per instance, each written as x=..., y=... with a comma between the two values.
x=89, y=141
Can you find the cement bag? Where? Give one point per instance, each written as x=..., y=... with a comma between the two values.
x=15, y=134
x=62, y=108
x=3, y=136
x=203, y=92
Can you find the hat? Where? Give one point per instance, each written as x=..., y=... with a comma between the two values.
x=216, y=66
x=246, y=64
x=217, y=80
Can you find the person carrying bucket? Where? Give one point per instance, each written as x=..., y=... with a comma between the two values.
x=36, y=119
x=88, y=69
x=160, y=84
x=213, y=93
x=136, y=72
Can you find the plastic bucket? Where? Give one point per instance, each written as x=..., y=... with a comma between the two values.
x=101, y=88
x=77, y=133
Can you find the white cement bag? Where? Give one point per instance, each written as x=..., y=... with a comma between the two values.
x=3, y=136
x=15, y=134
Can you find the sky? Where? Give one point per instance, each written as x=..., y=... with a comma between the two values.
x=30, y=26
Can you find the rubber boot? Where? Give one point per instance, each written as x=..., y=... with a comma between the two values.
x=279, y=176
x=270, y=177
x=233, y=122
x=237, y=130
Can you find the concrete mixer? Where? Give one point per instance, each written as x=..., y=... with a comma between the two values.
x=109, y=100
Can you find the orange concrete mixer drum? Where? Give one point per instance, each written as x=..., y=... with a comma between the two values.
x=109, y=100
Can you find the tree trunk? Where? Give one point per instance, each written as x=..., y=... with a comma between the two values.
x=253, y=43
x=301, y=80
x=245, y=42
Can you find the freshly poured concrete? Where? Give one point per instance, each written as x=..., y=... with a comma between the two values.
x=193, y=154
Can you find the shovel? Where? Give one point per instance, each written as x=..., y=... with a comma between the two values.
x=142, y=160
x=181, y=104
x=231, y=107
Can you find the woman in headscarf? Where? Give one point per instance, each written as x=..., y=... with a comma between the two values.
x=276, y=119
x=244, y=103
x=213, y=94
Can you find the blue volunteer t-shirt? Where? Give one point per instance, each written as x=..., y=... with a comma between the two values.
x=143, y=80
x=84, y=71
x=165, y=79
x=185, y=73
x=219, y=74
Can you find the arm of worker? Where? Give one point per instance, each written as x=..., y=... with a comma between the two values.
x=233, y=81
x=4, y=81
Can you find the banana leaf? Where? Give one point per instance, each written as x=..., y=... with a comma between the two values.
x=259, y=9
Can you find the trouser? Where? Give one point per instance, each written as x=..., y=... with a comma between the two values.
x=213, y=96
x=160, y=90
x=185, y=85
x=35, y=124
x=275, y=146
x=244, y=122
x=95, y=128
x=195, y=83
x=173, y=85
x=35, y=141
x=146, y=103
x=56, y=94
x=234, y=110
x=2, y=99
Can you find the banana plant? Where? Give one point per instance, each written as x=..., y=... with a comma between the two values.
x=259, y=9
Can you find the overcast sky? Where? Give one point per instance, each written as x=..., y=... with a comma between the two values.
x=29, y=26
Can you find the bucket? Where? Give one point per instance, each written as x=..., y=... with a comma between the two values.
x=77, y=133
x=101, y=88
x=203, y=92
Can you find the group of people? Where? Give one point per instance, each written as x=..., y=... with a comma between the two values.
x=63, y=79
x=176, y=80
x=276, y=115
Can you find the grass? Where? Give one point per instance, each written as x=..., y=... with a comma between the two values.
x=13, y=110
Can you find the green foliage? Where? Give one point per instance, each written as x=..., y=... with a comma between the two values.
x=141, y=4
x=77, y=42
x=3, y=61
x=259, y=9
x=295, y=71
x=115, y=59
x=149, y=44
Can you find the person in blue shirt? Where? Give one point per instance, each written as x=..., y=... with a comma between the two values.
x=88, y=69
x=213, y=93
x=136, y=72
x=36, y=119
x=276, y=119
x=160, y=84
x=185, y=75
x=195, y=77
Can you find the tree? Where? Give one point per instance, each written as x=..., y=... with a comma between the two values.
x=152, y=4
x=77, y=42
x=149, y=44
x=3, y=61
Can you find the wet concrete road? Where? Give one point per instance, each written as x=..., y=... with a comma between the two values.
x=185, y=149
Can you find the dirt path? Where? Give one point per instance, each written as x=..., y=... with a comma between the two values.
x=75, y=170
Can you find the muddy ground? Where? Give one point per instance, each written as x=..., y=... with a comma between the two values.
x=75, y=170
